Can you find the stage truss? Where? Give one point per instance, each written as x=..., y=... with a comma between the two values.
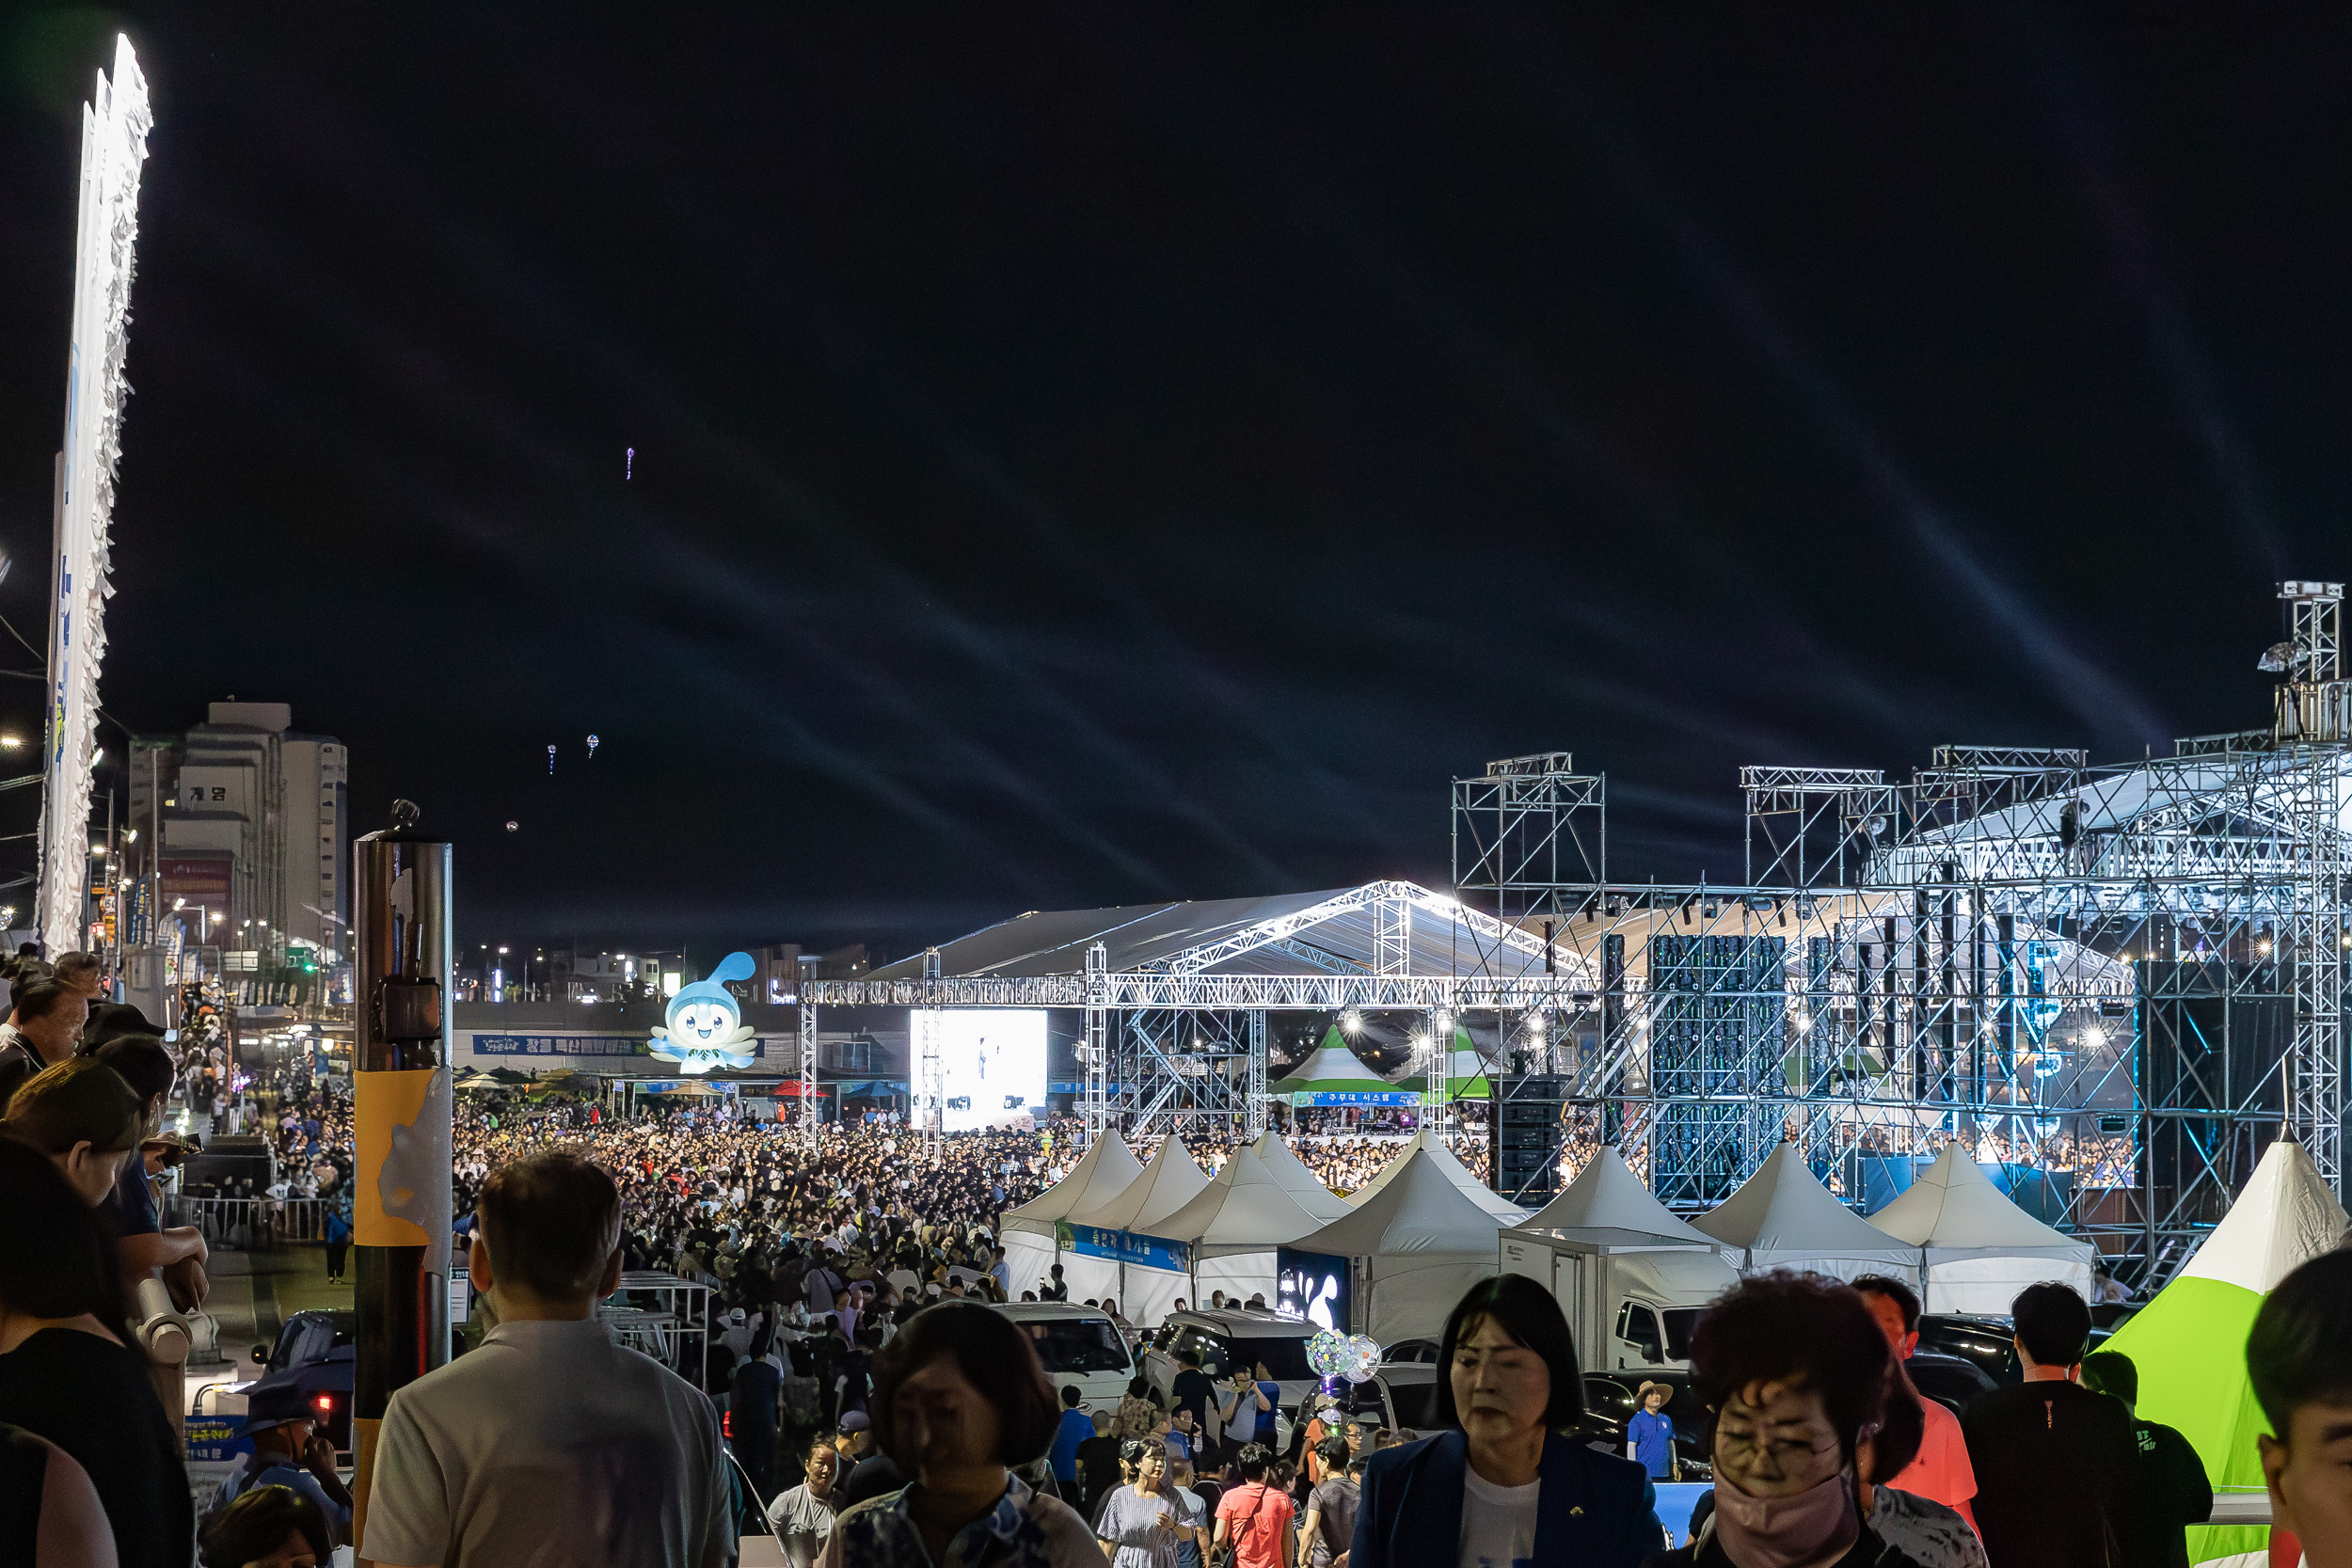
x=2118, y=983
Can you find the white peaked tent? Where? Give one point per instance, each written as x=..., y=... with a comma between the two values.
x=1606, y=1195
x=1296, y=1179
x=1330, y=1065
x=1169, y=1180
x=1783, y=1218
x=1415, y=1246
x=1101, y=1173
x=1428, y=1143
x=1232, y=1227
x=1977, y=1249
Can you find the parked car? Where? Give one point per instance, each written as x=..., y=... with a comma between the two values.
x=1236, y=1339
x=1953, y=1381
x=1076, y=1345
x=315, y=1354
x=1988, y=1342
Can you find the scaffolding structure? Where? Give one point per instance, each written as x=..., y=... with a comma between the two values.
x=2118, y=984
x=1175, y=1027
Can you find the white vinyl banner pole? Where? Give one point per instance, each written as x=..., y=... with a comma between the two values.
x=114, y=143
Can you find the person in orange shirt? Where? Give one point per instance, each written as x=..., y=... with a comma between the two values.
x=1941, y=1473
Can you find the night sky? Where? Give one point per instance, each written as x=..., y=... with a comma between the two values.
x=1094, y=453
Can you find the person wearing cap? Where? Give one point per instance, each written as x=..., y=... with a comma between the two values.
x=288, y=1452
x=1649, y=1432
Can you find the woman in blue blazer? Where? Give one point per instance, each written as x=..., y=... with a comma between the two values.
x=1503, y=1488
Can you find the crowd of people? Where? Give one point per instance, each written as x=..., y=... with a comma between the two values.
x=859, y=1397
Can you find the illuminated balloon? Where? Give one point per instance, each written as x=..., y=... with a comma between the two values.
x=514, y=827
x=550, y=761
x=1364, y=1358
x=592, y=745
x=1328, y=1353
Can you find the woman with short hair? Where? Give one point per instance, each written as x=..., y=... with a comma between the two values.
x=959, y=1402
x=1794, y=1371
x=1504, y=1482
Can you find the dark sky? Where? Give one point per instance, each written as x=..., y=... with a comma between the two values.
x=1099, y=453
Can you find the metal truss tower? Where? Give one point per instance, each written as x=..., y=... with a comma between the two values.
x=2118, y=983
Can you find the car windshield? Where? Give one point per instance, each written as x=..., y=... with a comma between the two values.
x=1285, y=1357
x=1680, y=1321
x=1079, y=1345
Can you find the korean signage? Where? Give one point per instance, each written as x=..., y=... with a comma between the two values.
x=559, y=1045
x=1124, y=1246
x=1356, y=1098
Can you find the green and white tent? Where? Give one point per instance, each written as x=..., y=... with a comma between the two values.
x=1330, y=1068
x=1464, y=1068
x=2189, y=1343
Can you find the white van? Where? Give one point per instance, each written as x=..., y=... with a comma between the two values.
x=1076, y=1344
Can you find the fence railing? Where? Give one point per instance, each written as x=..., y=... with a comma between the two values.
x=254, y=1224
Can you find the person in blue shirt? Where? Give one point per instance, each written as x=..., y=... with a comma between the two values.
x=1649, y=1435
x=285, y=1453
x=1075, y=1428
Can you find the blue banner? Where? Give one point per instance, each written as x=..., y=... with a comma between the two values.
x=1355, y=1096
x=576, y=1045
x=1126, y=1246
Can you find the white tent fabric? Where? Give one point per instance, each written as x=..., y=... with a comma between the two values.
x=1606, y=1195
x=1101, y=1173
x=2284, y=1218
x=1244, y=1209
x=1428, y=1143
x=1783, y=1218
x=1421, y=1241
x=1334, y=1065
x=1296, y=1179
x=1170, y=1180
x=1977, y=1249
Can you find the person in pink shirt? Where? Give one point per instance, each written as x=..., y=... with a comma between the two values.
x=1941, y=1473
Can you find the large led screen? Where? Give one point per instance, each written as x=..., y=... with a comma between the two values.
x=992, y=1063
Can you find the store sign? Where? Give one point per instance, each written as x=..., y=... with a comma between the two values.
x=1124, y=1246
x=559, y=1045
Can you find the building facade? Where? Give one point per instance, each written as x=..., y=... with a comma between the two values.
x=245, y=833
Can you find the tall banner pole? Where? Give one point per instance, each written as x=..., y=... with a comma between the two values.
x=401, y=1099
x=114, y=143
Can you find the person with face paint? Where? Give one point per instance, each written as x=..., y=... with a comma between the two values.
x=1794, y=1371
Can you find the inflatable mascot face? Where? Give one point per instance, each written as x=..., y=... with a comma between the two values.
x=706, y=1026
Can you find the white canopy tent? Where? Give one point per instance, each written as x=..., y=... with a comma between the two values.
x=1977, y=1249
x=1232, y=1227
x=1169, y=1180
x=1296, y=1179
x=1030, y=1237
x=1429, y=1142
x=1607, y=1196
x=1414, y=1247
x=1783, y=1218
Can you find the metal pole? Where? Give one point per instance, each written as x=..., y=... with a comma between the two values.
x=400, y=1108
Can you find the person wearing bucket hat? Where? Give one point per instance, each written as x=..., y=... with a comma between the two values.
x=1649, y=1431
x=286, y=1452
